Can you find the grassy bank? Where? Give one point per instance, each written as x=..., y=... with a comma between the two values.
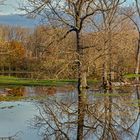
x=6, y=80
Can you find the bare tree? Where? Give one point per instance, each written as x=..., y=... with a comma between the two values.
x=138, y=29
x=73, y=15
x=108, y=29
x=133, y=13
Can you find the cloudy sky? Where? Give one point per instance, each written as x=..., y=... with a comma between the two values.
x=10, y=7
x=8, y=15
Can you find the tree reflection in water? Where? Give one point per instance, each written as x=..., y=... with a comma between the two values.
x=108, y=116
x=13, y=137
x=138, y=115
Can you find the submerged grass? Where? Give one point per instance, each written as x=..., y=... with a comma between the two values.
x=21, y=98
x=11, y=98
x=110, y=94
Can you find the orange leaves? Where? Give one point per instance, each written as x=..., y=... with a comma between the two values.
x=11, y=53
x=12, y=48
x=17, y=49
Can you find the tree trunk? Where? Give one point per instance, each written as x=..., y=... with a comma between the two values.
x=9, y=73
x=104, y=76
x=137, y=61
x=82, y=70
x=110, y=58
x=82, y=101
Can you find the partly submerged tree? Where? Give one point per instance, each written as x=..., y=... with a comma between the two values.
x=137, y=5
x=74, y=15
x=133, y=13
x=71, y=14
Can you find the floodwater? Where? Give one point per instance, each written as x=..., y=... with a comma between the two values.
x=50, y=113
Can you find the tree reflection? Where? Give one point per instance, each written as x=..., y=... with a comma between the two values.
x=82, y=103
x=13, y=137
x=138, y=116
x=105, y=117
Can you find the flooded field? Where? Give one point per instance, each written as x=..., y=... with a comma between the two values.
x=49, y=113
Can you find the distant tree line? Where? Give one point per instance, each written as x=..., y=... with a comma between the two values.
x=38, y=50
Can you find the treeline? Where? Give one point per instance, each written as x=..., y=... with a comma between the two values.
x=42, y=52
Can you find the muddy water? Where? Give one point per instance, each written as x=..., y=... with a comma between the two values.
x=59, y=113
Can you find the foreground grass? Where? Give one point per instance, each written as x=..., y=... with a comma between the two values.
x=6, y=80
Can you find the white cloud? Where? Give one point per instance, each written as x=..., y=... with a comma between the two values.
x=10, y=7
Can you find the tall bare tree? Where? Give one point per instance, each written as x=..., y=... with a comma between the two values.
x=133, y=13
x=73, y=15
x=108, y=28
x=137, y=4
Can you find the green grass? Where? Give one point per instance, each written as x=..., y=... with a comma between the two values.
x=6, y=80
x=131, y=75
x=91, y=81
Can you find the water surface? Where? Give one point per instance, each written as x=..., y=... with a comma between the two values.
x=59, y=113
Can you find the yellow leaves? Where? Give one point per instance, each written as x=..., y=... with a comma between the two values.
x=17, y=49
x=11, y=52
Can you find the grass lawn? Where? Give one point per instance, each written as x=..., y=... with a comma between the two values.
x=6, y=80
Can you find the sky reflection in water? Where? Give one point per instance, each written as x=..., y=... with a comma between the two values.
x=97, y=115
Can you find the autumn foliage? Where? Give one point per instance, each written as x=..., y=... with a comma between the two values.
x=12, y=54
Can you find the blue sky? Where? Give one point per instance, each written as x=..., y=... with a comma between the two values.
x=10, y=6
x=8, y=15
